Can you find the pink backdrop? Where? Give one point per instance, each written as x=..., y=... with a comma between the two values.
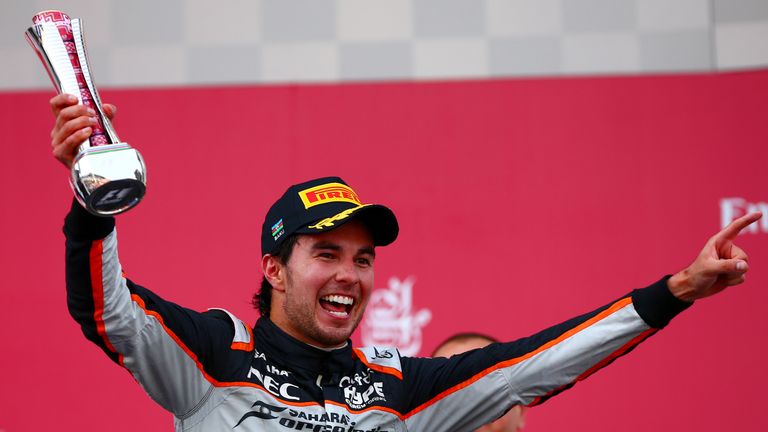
x=521, y=203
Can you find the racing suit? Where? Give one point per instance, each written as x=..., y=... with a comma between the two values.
x=216, y=373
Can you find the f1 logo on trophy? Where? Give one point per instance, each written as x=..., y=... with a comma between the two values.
x=108, y=176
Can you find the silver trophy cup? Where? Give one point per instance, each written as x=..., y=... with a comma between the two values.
x=108, y=176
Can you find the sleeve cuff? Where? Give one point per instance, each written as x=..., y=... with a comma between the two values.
x=656, y=305
x=82, y=225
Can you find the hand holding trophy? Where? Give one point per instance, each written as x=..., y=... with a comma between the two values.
x=108, y=176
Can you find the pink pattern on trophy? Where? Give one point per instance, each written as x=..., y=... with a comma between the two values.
x=64, y=24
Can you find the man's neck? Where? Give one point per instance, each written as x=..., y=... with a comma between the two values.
x=329, y=349
x=288, y=331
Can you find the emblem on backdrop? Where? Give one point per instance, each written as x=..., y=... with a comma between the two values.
x=392, y=320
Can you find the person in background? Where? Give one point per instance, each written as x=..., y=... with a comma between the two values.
x=514, y=419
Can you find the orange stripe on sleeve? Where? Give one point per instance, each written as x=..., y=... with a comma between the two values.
x=97, y=292
x=618, y=353
x=600, y=316
x=613, y=356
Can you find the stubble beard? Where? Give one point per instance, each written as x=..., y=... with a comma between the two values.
x=302, y=316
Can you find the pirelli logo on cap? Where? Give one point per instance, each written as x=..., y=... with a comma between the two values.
x=329, y=192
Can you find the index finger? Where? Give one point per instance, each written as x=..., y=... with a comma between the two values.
x=62, y=101
x=734, y=228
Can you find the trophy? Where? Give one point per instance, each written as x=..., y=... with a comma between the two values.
x=108, y=176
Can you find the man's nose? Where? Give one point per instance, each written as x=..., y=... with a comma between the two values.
x=347, y=272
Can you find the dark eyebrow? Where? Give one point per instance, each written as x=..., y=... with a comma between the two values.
x=367, y=250
x=326, y=245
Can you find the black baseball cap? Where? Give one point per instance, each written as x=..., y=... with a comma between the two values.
x=321, y=205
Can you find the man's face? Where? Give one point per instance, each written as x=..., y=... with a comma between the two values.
x=325, y=285
x=514, y=419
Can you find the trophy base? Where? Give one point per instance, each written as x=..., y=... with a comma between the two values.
x=109, y=179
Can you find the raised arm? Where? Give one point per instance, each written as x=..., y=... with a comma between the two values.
x=474, y=388
x=166, y=348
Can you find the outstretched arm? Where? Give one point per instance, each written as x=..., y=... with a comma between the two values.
x=719, y=265
x=473, y=388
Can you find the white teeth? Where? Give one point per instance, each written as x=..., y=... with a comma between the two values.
x=338, y=314
x=339, y=299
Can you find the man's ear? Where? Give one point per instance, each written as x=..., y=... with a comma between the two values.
x=273, y=271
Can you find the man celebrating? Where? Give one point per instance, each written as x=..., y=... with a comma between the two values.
x=295, y=369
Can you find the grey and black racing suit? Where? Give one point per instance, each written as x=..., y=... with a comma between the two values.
x=214, y=373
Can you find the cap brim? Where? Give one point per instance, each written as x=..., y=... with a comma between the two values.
x=379, y=220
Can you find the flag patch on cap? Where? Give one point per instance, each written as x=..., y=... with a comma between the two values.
x=277, y=229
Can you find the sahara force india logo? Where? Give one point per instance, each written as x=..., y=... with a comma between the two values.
x=301, y=421
x=391, y=319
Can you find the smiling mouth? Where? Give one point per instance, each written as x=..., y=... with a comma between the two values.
x=337, y=305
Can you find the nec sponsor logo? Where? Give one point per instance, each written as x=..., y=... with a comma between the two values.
x=329, y=192
x=284, y=390
x=735, y=207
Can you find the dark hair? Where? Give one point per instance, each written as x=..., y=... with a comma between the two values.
x=262, y=300
x=461, y=337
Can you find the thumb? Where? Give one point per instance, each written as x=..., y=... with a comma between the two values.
x=730, y=266
x=109, y=110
